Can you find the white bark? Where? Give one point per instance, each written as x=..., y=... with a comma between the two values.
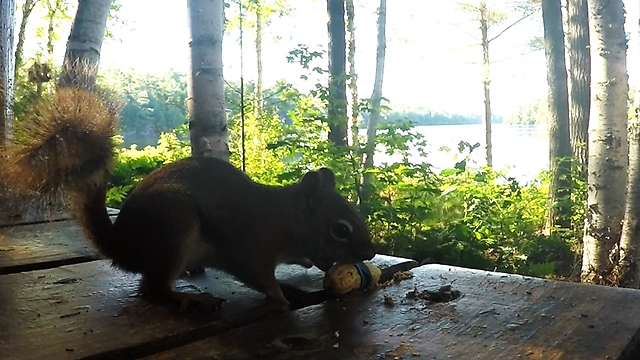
x=629, y=269
x=7, y=25
x=84, y=44
x=376, y=96
x=607, y=169
x=259, y=100
x=486, y=82
x=353, y=77
x=207, y=109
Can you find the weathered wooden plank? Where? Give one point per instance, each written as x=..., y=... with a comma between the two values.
x=499, y=316
x=44, y=245
x=29, y=210
x=91, y=310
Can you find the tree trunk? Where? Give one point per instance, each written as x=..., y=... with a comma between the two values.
x=607, y=141
x=559, y=210
x=7, y=26
x=580, y=80
x=259, y=98
x=486, y=81
x=82, y=56
x=27, y=8
x=337, y=107
x=353, y=77
x=207, y=109
x=52, y=10
x=376, y=98
x=629, y=269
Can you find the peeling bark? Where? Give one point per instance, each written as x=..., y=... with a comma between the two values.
x=607, y=170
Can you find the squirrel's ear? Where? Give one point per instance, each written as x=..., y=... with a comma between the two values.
x=312, y=185
x=315, y=180
x=328, y=178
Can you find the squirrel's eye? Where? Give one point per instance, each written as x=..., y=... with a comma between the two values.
x=341, y=230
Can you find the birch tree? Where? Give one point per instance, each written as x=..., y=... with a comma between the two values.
x=486, y=80
x=579, y=80
x=337, y=106
x=207, y=111
x=607, y=167
x=353, y=77
x=82, y=56
x=628, y=270
x=376, y=99
x=489, y=19
x=559, y=213
x=7, y=25
x=259, y=105
x=260, y=13
x=56, y=9
x=26, y=8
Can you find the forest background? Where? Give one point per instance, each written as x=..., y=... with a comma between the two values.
x=459, y=212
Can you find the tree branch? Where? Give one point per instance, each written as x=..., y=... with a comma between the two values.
x=510, y=26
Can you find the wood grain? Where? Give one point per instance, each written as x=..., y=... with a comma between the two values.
x=92, y=311
x=43, y=245
x=499, y=316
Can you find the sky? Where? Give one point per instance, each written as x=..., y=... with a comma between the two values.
x=432, y=57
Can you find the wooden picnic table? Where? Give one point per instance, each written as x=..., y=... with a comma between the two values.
x=60, y=300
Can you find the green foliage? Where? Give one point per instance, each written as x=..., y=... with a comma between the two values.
x=250, y=9
x=132, y=164
x=472, y=217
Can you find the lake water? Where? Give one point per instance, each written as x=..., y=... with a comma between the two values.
x=523, y=150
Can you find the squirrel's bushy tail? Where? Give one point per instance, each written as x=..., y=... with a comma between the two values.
x=65, y=149
x=65, y=145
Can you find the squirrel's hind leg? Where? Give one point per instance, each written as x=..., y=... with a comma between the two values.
x=159, y=288
x=259, y=277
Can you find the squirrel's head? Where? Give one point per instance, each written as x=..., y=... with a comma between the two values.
x=332, y=226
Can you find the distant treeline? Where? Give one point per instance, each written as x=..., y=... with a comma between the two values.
x=156, y=103
x=434, y=118
x=533, y=112
x=421, y=116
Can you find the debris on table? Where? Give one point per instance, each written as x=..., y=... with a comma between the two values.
x=444, y=294
x=397, y=277
x=388, y=300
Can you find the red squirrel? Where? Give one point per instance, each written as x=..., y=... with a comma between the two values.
x=192, y=213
